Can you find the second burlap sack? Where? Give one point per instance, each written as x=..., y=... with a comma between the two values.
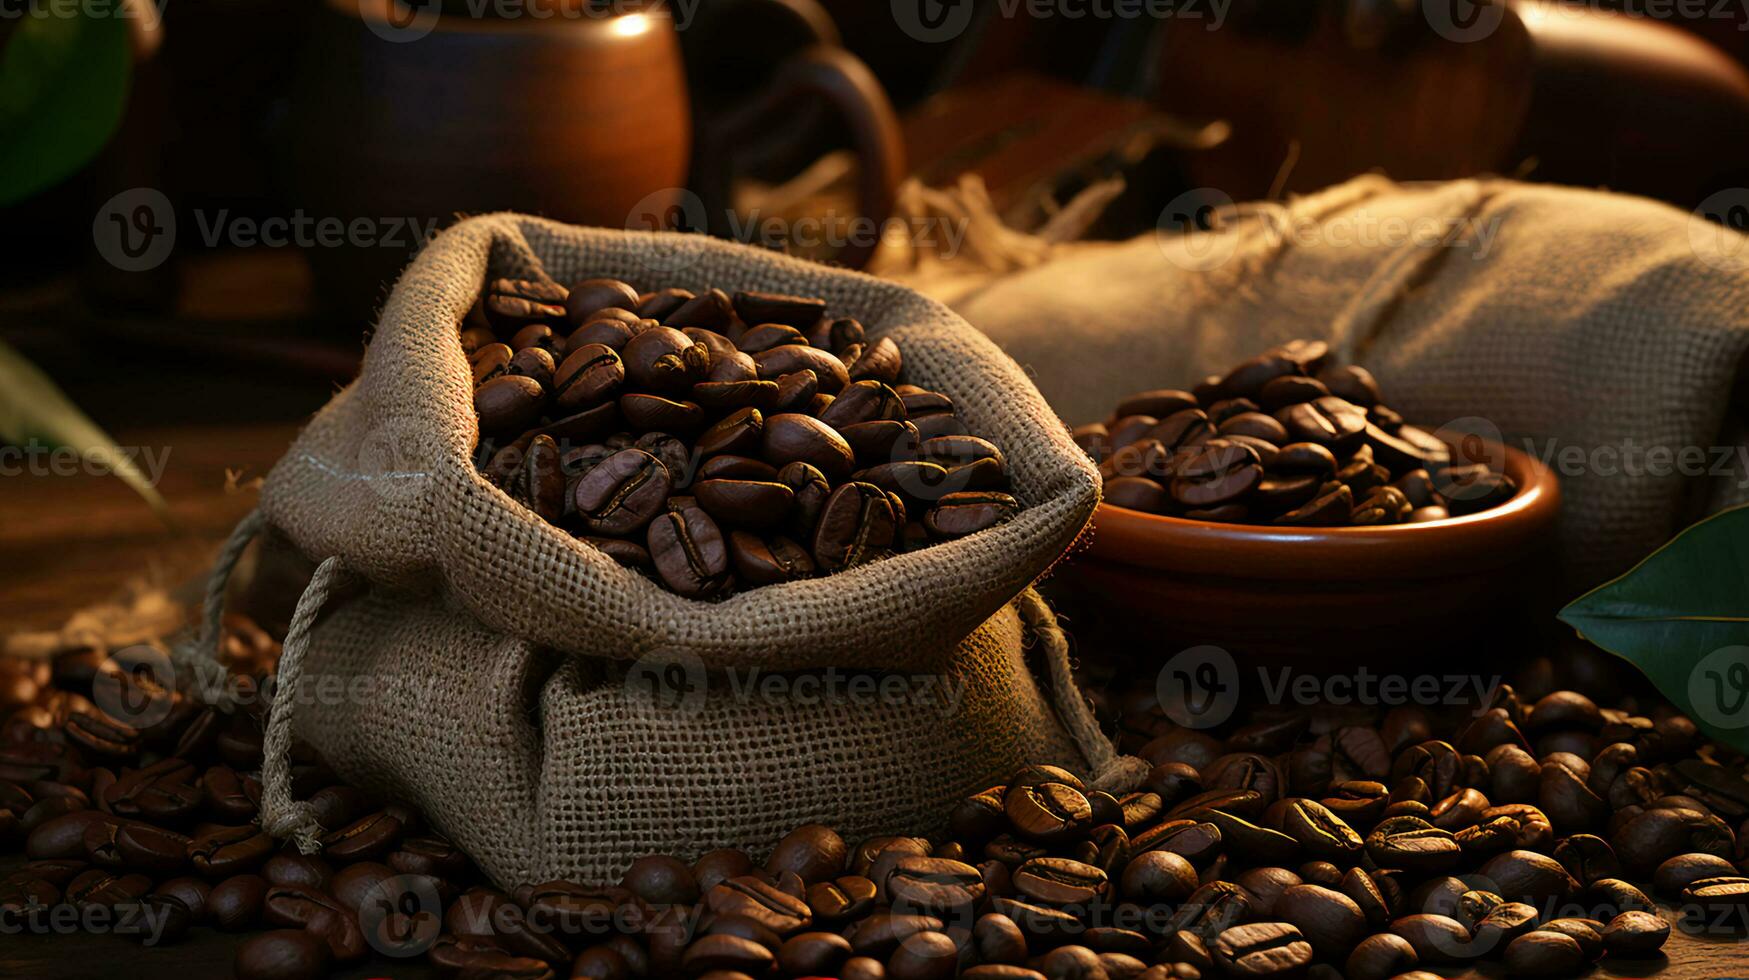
x=1601, y=333
x=559, y=715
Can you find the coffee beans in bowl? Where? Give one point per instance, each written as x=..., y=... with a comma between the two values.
x=718, y=442
x=1287, y=438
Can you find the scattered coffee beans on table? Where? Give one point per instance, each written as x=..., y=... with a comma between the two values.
x=717, y=442
x=1297, y=843
x=1285, y=438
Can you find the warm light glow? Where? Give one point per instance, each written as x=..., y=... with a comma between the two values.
x=631, y=25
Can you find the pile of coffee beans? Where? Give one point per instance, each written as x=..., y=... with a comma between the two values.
x=718, y=442
x=1288, y=438
x=1304, y=843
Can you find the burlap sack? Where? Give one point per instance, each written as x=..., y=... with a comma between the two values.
x=1598, y=332
x=559, y=715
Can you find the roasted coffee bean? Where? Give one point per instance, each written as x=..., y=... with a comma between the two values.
x=1650, y=838
x=881, y=933
x=1588, y=933
x=1333, y=504
x=880, y=361
x=1264, y=886
x=842, y=900
x=1635, y=933
x=1413, y=845
x=934, y=886
x=1352, y=383
x=235, y=903
x=757, y=504
x=1058, y=881
x=1504, y=923
x=105, y=889
x=799, y=312
x=958, y=514
x=1211, y=909
x=1526, y=876
x=1437, y=939
x=1196, y=841
x=655, y=413
x=508, y=404
x=590, y=375
x=790, y=438
x=1137, y=493
x=1047, y=813
x=1544, y=954
x=1220, y=472
x=283, y=954
x=710, y=309
x=662, y=360
x=1380, y=957
x=533, y=362
x=762, y=561
x=623, y=493
x=1725, y=895
x=1245, y=840
x=192, y=893
x=369, y=837
x=1679, y=872
x=689, y=553
x=747, y=896
x=587, y=298
x=1261, y=949
x=998, y=939
x=858, y=524
x=1328, y=919
x=830, y=373
x=608, y=331
x=1321, y=832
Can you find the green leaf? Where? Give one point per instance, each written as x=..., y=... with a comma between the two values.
x=33, y=409
x=1682, y=617
x=63, y=87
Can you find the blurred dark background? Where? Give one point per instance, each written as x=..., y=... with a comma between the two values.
x=250, y=110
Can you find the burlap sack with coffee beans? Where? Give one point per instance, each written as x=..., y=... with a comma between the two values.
x=1573, y=322
x=560, y=715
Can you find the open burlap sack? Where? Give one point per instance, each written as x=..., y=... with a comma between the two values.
x=559, y=715
x=1601, y=333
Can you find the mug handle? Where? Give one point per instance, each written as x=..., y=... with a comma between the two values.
x=850, y=89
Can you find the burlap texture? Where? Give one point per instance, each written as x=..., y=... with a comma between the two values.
x=559, y=715
x=543, y=765
x=1570, y=321
x=382, y=476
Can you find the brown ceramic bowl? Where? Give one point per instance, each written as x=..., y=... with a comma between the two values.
x=1170, y=582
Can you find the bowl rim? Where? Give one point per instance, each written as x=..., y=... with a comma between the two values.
x=1491, y=538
